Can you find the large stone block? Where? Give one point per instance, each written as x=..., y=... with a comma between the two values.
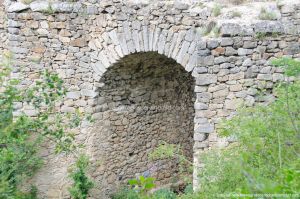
x=17, y=7
x=230, y=29
x=206, y=79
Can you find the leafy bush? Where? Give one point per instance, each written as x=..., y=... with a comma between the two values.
x=81, y=183
x=20, y=136
x=173, y=151
x=188, y=189
x=126, y=193
x=265, y=158
x=142, y=184
x=164, y=194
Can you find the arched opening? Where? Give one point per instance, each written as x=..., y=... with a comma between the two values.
x=146, y=98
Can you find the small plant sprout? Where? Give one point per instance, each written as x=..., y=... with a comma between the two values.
x=216, y=11
x=142, y=184
x=81, y=182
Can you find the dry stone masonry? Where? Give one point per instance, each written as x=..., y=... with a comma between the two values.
x=146, y=75
x=146, y=98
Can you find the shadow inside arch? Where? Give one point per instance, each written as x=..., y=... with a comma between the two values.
x=146, y=98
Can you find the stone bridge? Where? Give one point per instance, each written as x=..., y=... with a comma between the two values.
x=147, y=74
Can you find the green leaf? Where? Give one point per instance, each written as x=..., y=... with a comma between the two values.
x=133, y=182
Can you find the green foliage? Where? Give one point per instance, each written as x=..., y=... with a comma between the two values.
x=261, y=35
x=138, y=189
x=216, y=10
x=164, y=194
x=172, y=151
x=20, y=136
x=81, y=182
x=291, y=66
x=126, y=193
x=265, y=158
x=142, y=184
x=164, y=151
x=189, y=189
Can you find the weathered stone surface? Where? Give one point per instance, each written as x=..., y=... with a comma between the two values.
x=233, y=104
x=42, y=32
x=88, y=93
x=287, y=9
x=226, y=41
x=264, y=77
x=230, y=51
x=99, y=67
x=205, y=61
x=243, y=51
x=102, y=50
x=17, y=7
x=80, y=42
x=230, y=29
x=212, y=44
x=206, y=79
x=250, y=44
x=40, y=6
x=204, y=128
x=64, y=6
x=269, y=27
x=200, y=106
x=293, y=48
x=60, y=57
x=181, y=6
x=200, y=137
x=73, y=95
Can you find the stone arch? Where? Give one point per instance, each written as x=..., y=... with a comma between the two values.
x=110, y=48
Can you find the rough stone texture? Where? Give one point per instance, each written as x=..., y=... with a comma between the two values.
x=3, y=31
x=151, y=101
x=88, y=47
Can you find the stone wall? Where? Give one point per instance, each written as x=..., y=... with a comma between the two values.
x=146, y=99
x=3, y=30
x=102, y=50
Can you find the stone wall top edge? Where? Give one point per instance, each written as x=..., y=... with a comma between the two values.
x=68, y=6
x=227, y=28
